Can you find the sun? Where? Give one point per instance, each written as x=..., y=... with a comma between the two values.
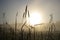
x=35, y=18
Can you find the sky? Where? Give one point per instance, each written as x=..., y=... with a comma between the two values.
x=11, y=7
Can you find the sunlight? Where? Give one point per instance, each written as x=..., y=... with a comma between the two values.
x=35, y=18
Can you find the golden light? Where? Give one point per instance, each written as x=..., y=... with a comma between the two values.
x=35, y=18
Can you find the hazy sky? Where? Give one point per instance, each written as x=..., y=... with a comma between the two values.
x=10, y=7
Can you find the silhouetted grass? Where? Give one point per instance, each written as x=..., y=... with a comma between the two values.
x=8, y=34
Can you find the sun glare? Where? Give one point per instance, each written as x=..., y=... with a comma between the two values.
x=35, y=18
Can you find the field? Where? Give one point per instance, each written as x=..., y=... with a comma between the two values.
x=8, y=33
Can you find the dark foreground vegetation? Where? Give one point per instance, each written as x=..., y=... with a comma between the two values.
x=8, y=33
